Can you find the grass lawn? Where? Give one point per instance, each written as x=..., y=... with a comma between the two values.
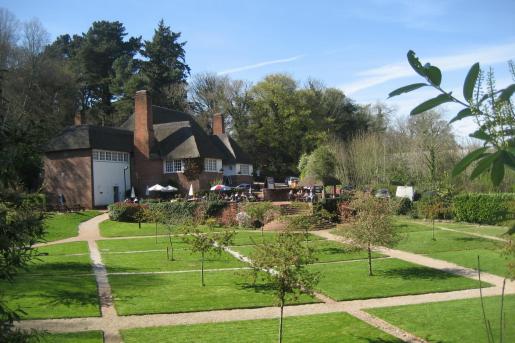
x=251, y=237
x=75, y=337
x=489, y=230
x=184, y=259
x=324, y=250
x=421, y=242
x=111, y=228
x=404, y=225
x=334, y=327
x=59, y=259
x=53, y=296
x=182, y=292
x=452, y=321
x=144, y=243
x=491, y=261
x=142, y=259
x=64, y=225
x=346, y=281
x=61, y=291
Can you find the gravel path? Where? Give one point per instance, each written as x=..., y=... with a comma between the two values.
x=111, y=324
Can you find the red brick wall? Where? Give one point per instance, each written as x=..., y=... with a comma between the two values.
x=202, y=184
x=218, y=124
x=146, y=173
x=69, y=173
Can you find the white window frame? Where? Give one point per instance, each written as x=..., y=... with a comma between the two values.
x=172, y=166
x=244, y=169
x=211, y=165
x=110, y=156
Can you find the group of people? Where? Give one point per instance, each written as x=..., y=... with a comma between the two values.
x=303, y=194
x=236, y=196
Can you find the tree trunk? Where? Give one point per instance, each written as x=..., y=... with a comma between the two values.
x=262, y=229
x=369, y=260
x=139, y=224
x=202, y=269
x=434, y=239
x=281, y=322
x=171, y=244
x=156, y=232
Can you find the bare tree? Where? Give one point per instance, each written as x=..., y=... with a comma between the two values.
x=9, y=26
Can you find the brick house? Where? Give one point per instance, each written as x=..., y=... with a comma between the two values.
x=93, y=166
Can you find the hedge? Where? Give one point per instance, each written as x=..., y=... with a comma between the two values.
x=483, y=208
x=177, y=212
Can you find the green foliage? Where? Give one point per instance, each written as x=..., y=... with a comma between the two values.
x=290, y=120
x=193, y=167
x=208, y=241
x=177, y=212
x=126, y=212
x=492, y=110
x=260, y=212
x=404, y=206
x=483, y=208
x=372, y=224
x=320, y=165
x=21, y=226
x=284, y=261
x=165, y=69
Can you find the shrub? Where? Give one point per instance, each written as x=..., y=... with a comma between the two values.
x=177, y=212
x=404, y=206
x=228, y=216
x=260, y=212
x=483, y=208
x=215, y=207
x=243, y=219
x=126, y=212
x=434, y=206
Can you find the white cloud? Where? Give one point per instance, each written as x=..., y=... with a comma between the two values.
x=375, y=76
x=259, y=65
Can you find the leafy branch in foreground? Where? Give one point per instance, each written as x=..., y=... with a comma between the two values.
x=491, y=109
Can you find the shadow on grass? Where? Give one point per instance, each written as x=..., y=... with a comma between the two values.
x=57, y=268
x=416, y=273
x=379, y=340
x=335, y=251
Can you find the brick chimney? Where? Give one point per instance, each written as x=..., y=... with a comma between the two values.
x=218, y=124
x=143, y=129
x=78, y=119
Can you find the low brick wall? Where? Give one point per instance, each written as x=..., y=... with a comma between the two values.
x=280, y=194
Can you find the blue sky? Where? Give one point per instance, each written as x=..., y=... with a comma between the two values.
x=358, y=46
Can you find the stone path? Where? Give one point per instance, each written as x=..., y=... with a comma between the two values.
x=111, y=324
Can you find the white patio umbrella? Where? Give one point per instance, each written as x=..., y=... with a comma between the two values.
x=156, y=188
x=147, y=192
x=169, y=189
x=190, y=193
x=133, y=193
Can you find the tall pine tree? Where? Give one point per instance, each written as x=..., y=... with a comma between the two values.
x=165, y=70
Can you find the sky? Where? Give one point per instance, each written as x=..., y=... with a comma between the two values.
x=357, y=46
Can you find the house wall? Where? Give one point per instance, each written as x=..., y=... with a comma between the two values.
x=147, y=173
x=106, y=176
x=203, y=183
x=69, y=173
